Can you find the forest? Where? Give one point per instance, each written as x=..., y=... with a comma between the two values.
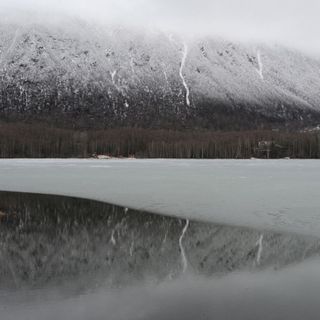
x=22, y=140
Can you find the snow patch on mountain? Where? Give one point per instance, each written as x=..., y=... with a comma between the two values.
x=182, y=65
x=260, y=69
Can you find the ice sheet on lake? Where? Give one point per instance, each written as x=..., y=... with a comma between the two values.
x=277, y=194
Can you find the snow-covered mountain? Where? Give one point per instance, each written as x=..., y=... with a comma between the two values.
x=87, y=75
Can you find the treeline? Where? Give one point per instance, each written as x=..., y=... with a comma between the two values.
x=41, y=141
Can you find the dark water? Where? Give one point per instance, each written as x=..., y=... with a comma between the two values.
x=67, y=258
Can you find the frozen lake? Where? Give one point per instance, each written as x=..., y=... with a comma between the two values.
x=69, y=258
x=246, y=237
x=280, y=195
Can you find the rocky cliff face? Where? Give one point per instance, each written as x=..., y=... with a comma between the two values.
x=77, y=74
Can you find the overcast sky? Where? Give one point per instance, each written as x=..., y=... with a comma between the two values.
x=290, y=22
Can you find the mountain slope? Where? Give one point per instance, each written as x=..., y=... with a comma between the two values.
x=90, y=76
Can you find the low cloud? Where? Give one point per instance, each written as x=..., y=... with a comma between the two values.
x=289, y=22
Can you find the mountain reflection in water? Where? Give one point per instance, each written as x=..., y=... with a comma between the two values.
x=81, y=259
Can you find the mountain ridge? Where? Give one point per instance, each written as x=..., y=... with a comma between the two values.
x=93, y=77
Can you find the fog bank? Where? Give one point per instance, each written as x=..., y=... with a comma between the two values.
x=289, y=22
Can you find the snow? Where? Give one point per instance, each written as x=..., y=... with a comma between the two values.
x=165, y=76
x=12, y=45
x=132, y=64
x=260, y=64
x=113, y=74
x=228, y=71
x=276, y=194
x=183, y=62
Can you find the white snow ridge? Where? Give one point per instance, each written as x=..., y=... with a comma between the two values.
x=183, y=62
x=260, y=64
x=113, y=74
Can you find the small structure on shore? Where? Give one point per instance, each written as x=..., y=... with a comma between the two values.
x=267, y=148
